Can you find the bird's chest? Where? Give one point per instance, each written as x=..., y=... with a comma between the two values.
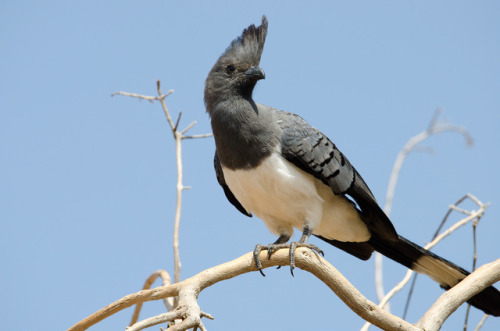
x=243, y=135
x=277, y=192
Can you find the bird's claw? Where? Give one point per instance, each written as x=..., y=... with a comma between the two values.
x=256, y=252
x=294, y=245
x=271, y=248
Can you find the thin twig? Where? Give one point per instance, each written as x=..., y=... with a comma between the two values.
x=467, y=316
x=434, y=128
x=448, y=213
x=188, y=127
x=134, y=95
x=177, y=122
x=155, y=320
x=143, y=97
x=197, y=136
x=166, y=280
x=460, y=210
x=438, y=230
x=408, y=298
x=474, y=260
x=177, y=218
x=164, y=107
x=178, y=137
x=477, y=214
x=481, y=322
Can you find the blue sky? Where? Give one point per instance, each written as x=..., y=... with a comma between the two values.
x=88, y=181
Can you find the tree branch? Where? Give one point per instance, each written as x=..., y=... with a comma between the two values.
x=178, y=137
x=189, y=289
x=473, y=215
x=166, y=280
x=434, y=128
x=448, y=302
x=481, y=322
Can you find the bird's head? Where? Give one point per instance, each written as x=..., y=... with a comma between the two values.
x=237, y=70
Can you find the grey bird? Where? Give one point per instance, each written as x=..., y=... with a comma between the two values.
x=275, y=165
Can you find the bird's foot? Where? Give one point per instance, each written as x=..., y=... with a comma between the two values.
x=271, y=248
x=294, y=245
x=256, y=252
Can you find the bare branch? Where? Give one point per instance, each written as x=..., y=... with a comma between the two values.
x=189, y=289
x=438, y=230
x=134, y=95
x=164, y=106
x=178, y=136
x=143, y=97
x=167, y=317
x=434, y=128
x=435, y=118
x=125, y=302
x=481, y=322
x=188, y=127
x=197, y=136
x=166, y=280
x=155, y=320
x=177, y=218
x=448, y=302
x=474, y=261
x=473, y=216
x=460, y=210
x=177, y=122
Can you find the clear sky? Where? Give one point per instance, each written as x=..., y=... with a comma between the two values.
x=88, y=181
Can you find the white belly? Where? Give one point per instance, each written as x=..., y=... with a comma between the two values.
x=285, y=197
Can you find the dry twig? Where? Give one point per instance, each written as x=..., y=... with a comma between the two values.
x=434, y=128
x=473, y=216
x=166, y=280
x=179, y=135
x=481, y=322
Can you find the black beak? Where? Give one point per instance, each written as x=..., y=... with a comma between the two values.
x=255, y=72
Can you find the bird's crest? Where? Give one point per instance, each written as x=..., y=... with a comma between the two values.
x=248, y=47
x=244, y=52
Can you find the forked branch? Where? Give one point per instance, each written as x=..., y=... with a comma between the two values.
x=189, y=289
x=435, y=127
x=178, y=135
x=472, y=216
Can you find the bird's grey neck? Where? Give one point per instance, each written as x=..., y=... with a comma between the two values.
x=216, y=95
x=244, y=134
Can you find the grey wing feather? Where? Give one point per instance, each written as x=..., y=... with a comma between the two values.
x=310, y=150
x=313, y=152
x=229, y=195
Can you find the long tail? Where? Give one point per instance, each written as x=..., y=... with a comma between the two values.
x=444, y=272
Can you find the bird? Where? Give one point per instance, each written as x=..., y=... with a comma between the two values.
x=273, y=164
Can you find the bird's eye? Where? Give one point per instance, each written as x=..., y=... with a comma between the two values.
x=230, y=68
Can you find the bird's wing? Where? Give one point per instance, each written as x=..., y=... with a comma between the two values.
x=229, y=195
x=310, y=150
